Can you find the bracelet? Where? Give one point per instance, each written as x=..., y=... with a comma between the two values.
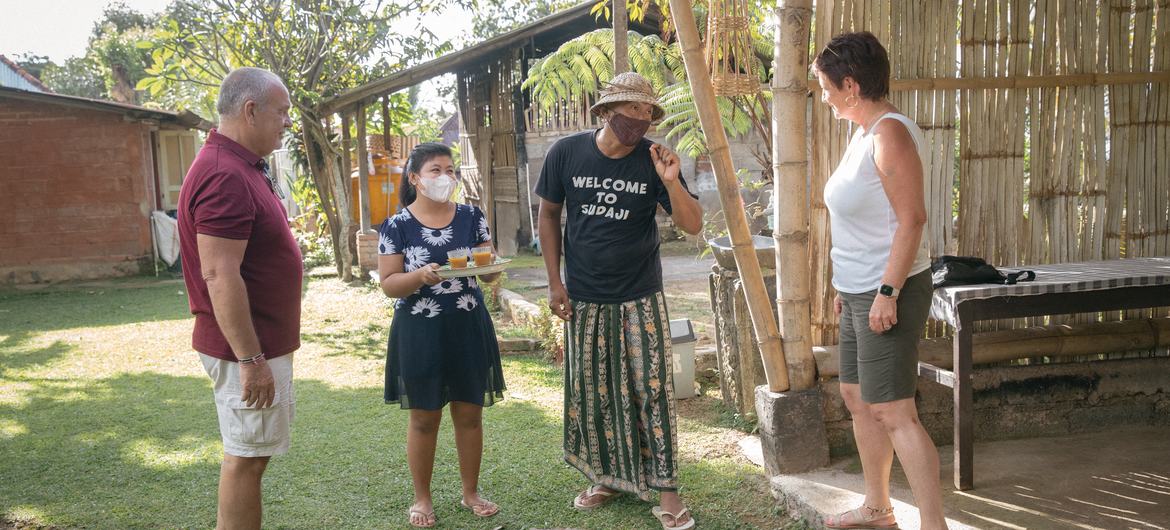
x=253, y=359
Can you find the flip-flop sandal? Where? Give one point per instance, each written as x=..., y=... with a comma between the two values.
x=582, y=501
x=483, y=509
x=661, y=515
x=426, y=516
x=857, y=514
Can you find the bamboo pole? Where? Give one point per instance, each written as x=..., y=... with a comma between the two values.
x=759, y=306
x=826, y=148
x=790, y=171
x=621, y=50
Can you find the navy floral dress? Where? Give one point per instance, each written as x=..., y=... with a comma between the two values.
x=442, y=344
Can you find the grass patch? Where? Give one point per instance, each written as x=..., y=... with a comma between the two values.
x=526, y=259
x=106, y=421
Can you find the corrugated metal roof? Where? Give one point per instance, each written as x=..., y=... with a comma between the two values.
x=13, y=76
x=185, y=118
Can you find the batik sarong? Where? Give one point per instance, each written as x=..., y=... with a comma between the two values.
x=619, y=395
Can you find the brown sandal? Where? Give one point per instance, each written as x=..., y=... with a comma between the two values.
x=584, y=501
x=859, y=519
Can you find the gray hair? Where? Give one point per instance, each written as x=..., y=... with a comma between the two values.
x=241, y=85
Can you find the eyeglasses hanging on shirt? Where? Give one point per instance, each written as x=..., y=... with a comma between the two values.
x=272, y=183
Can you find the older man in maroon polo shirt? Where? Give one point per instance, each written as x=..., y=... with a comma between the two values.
x=243, y=272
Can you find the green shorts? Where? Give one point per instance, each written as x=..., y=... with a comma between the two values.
x=885, y=365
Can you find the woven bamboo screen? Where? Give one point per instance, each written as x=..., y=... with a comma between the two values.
x=487, y=143
x=1034, y=156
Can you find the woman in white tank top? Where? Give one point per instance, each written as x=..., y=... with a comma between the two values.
x=877, y=214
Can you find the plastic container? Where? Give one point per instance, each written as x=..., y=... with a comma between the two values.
x=383, y=190
x=682, y=339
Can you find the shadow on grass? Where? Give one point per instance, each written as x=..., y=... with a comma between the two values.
x=363, y=343
x=143, y=451
x=131, y=451
x=16, y=356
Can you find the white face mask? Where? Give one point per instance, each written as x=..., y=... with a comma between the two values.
x=437, y=189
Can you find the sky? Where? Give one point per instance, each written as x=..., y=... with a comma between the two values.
x=60, y=29
x=57, y=28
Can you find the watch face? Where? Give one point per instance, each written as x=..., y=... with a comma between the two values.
x=886, y=290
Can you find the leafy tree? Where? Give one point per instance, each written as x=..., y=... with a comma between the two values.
x=493, y=17
x=77, y=76
x=637, y=10
x=123, y=56
x=118, y=17
x=319, y=48
x=34, y=64
x=112, y=64
x=579, y=66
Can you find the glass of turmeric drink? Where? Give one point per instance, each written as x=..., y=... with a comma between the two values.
x=482, y=256
x=457, y=258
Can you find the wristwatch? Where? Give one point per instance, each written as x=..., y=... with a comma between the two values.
x=889, y=291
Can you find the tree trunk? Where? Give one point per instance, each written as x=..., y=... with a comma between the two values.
x=790, y=172
x=759, y=306
x=621, y=48
x=334, y=194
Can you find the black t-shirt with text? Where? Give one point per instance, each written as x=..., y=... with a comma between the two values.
x=610, y=237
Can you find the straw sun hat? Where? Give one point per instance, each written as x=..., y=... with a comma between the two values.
x=629, y=86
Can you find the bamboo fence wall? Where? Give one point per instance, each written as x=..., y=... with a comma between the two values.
x=570, y=115
x=487, y=142
x=1047, y=125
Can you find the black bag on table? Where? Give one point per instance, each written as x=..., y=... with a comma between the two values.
x=965, y=270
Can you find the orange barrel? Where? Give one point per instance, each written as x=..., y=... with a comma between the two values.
x=383, y=190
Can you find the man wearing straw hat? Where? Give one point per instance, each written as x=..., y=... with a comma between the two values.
x=619, y=407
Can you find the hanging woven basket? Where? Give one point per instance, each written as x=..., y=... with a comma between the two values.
x=730, y=56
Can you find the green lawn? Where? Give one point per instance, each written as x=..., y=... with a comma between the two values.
x=106, y=421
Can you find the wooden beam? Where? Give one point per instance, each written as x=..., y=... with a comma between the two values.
x=1051, y=341
x=759, y=304
x=363, y=170
x=386, y=126
x=346, y=168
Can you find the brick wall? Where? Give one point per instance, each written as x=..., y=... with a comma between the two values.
x=74, y=193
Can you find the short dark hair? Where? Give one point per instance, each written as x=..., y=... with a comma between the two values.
x=421, y=154
x=860, y=56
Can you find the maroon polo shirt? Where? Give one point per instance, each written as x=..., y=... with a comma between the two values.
x=226, y=194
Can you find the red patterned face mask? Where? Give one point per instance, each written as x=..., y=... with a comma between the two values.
x=628, y=130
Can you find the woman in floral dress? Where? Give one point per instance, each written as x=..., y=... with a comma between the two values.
x=442, y=347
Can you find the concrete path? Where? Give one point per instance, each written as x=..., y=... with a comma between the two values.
x=1116, y=479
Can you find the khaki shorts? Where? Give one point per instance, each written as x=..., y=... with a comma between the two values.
x=251, y=432
x=885, y=365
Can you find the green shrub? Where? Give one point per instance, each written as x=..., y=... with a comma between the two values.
x=550, y=332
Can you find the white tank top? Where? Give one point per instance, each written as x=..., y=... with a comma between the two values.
x=861, y=220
